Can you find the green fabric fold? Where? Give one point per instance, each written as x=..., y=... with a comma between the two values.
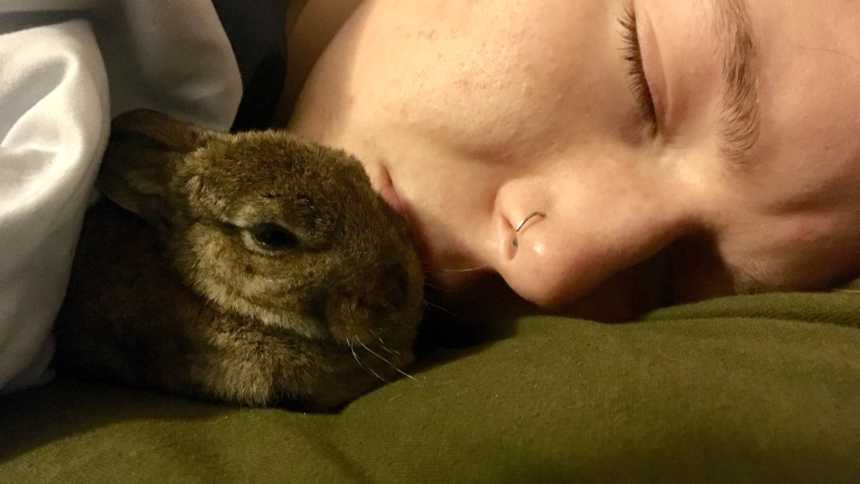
x=745, y=389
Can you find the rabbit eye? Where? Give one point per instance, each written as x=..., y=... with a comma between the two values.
x=273, y=237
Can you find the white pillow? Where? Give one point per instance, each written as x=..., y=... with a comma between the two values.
x=66, y=68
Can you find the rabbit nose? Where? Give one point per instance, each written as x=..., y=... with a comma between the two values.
x=354, y=313
x=389, y=291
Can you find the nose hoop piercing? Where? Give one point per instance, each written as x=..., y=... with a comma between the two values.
x=522, y=224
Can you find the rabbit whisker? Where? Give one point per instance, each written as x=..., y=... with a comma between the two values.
x=388, y=362
x=435, y=287
x=378, y=336
x=441, y=308
x=387, y=349
x=461, y=270
x=358, y=360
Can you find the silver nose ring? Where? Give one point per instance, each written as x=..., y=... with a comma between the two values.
x=522, y=224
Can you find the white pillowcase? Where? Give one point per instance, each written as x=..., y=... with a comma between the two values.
x=66, y=68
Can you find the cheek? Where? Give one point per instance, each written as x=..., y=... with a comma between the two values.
x=804, y=251
x=495, y=81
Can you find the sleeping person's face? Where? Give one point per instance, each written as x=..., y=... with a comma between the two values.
x=728, y=161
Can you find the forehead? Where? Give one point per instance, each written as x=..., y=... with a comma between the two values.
x=272, y=172
x=809, y=92
x=274, y=157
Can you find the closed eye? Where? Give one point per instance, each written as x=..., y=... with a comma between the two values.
x=632, y=54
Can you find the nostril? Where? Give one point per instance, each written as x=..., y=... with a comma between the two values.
x=523, y=224
x=512, y=234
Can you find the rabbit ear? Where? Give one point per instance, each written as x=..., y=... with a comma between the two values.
x=144, y=150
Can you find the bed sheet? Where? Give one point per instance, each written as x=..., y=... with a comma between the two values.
x=66, y=68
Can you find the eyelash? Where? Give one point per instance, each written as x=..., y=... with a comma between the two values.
x=632, y=53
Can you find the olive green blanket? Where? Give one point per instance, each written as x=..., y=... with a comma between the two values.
x=743, y=389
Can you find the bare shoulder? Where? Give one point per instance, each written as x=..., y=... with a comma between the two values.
x=311, y=24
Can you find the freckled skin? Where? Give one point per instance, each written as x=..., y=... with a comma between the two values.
x=514, y=107
x=170, y=291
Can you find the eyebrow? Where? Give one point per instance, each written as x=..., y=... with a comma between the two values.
x=740, y=117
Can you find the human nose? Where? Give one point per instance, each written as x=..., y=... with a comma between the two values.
x=520, y=226
x=524, y=240
x=558, y=241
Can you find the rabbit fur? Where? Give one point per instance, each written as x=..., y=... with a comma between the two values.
x=254, y=268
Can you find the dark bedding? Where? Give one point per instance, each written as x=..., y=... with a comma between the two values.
x=744, y=389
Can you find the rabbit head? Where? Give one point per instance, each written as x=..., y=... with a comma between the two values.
x=299, y=281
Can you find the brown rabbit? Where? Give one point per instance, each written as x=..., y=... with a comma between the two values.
x=255, y=268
